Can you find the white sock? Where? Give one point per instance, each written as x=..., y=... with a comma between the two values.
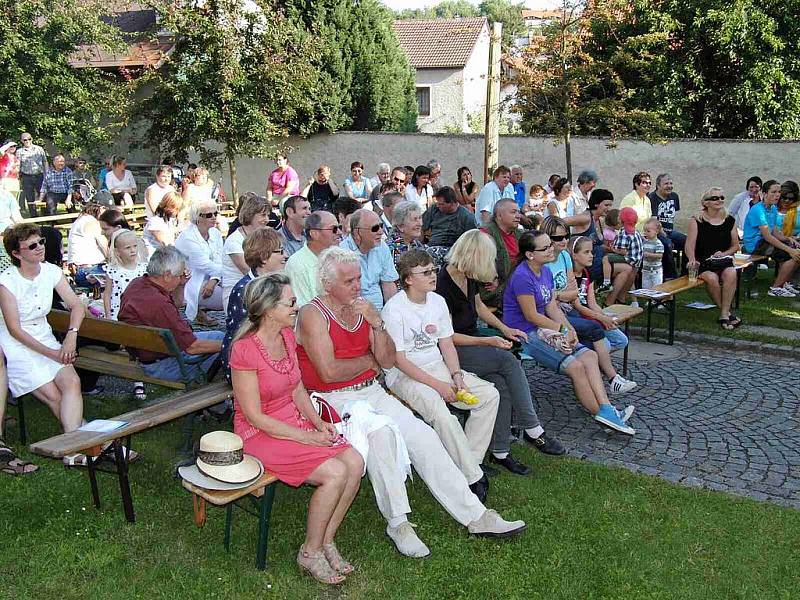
x=606, y=282
x=395, y=522
x=535, y=432
x=500, y=455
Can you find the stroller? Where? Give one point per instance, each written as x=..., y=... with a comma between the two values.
x=82, y=193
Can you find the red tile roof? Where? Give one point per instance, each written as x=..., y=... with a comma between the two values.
x=142, y=54
x=439, y=43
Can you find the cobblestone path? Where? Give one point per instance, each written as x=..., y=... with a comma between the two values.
x=711, y=418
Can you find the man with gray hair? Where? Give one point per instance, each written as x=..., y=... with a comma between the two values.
x=148, y=301
x=343, y=344
x=520, y=187
x=321, y=232
x=381, y=175
x=436, y=172
x=665, y=204
x=587, y=181
x=378, y=275
x=389, y=202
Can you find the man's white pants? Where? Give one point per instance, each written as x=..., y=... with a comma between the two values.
x=467, y=446
x=431, y=461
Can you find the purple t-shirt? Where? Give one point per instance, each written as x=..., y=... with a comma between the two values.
x=525, y=282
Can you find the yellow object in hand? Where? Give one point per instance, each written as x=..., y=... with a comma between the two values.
x=466, y=397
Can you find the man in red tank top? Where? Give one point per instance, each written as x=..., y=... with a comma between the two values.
x=343, y=345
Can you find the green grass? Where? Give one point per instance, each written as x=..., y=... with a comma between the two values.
x=593, y=532
x=764, y=310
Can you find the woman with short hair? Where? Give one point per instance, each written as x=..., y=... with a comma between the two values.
x=560, y=204
x=160, y=229
x=121, y=183
x=36, y=362
x=202, y=245
x=156, y=191
x=282, y=182
x=252, y=216
x=276, y=420
x=420, y=189
x=321, y=191
x=711, y=243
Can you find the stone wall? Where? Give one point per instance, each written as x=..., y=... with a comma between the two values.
x=694, y=164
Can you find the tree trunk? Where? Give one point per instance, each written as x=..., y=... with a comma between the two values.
x=234, y=185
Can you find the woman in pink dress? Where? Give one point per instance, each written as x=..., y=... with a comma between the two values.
x=275, y=418
x=282, y=182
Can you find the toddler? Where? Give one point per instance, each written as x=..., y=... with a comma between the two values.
x=534, y=207
x=653, y=251
x=629, y=242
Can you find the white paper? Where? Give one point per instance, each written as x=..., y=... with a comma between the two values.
x=649, y=293
x=102, y=425
x=700, y=305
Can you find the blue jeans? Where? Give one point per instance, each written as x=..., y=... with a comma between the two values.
x=82, y=273
x=590, y=331
x=196, y=364
x=615, y=339
x=547, y=356
x=671, y=239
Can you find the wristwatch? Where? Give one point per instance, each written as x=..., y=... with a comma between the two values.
x=75, y=329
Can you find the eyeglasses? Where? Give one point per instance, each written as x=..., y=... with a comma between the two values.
x=427, y=272
x=27, y=139
x=558, y=238
x=714, y=199
x=374, y=229
x=334, y=228
x=209, y=215
x=35, y=245
x=290, y=303
x=545, y=249
x=398, y=180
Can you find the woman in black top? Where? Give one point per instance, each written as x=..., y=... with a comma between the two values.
x=710, y=245
x=321, y=192
x=470, y=262
x=466, y=189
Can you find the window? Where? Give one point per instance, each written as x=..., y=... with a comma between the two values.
x=424, y=101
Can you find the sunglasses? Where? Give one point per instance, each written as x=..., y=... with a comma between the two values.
x=278, y=251
x=27, y=139
x=290, y=303
x=426, y=272
x=545, y=249
x=374, y=229
x=398, y=180
x=209, y=215
x=558, y=238
x=334, y=229
x=35, y=245
x=714, y=199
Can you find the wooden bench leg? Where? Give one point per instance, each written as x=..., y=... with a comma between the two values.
x=672, y=312
x=121, y=462
x=738, y=288
x=649, y=319
x=263, y=525
x=91, y=461
x=199, y=510
x=228, y=525
x=625, y=351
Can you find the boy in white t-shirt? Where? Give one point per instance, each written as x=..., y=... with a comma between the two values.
x=427, y=375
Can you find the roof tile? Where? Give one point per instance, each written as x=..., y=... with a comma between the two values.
x=438, y=43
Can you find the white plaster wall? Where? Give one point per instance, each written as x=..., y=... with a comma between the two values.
x=447, y=99
x=694, y=164
x=476, y=73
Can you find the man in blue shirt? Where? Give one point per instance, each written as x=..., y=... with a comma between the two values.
x=57, y=186
x=378, y=274
x=498, y=187
x=520, y=187
x=763, y=238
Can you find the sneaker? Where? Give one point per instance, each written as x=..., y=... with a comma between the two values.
x=625, y=414
x=493, y=525
x=608, y=416
x=603, y=288
x=544, y=444
x=620, y=385
x=791, y=288
x=138, y=391
x=781, y=292
x=406, y=541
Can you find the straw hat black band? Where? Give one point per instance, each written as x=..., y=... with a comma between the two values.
x=221, y=459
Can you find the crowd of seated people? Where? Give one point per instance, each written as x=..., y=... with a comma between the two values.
x=382, y=296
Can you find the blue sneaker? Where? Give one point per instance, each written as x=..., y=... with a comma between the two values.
x=609, y=417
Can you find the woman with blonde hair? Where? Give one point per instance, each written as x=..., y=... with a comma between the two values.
x=279, y=425
x=471, y=264
x=710, y=245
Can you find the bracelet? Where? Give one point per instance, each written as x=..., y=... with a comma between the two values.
x=454, y=373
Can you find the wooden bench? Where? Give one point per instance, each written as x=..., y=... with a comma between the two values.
x=264, y=488
x=98, y=446
x=100, y=359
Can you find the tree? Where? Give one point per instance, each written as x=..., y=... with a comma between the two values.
x=714, y=68
x=368, y=80
x=444, y=10
x=563, y=90
x=507, y=13
x=241, y=77
x=41, y=93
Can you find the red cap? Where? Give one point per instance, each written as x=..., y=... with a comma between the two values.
x=629, y=218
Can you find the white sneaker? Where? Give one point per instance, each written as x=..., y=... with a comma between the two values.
x=620, y=385
x=780, y=292
x=406, y=540
x=791, y=288
x=493, y=525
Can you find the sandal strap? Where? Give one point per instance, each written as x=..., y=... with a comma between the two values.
x=335, y=559
x=318, y=566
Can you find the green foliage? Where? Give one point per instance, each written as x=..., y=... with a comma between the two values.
x=76, y=109
x=444, y=10
x=712, y=68
x=239, y=77
x=368, y=82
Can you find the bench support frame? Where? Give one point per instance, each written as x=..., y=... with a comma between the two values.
x=121, y=461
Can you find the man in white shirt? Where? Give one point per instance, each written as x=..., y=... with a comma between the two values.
x=587, y=181
x=499, y=187
x=744, y=201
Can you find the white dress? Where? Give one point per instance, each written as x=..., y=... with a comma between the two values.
x=121, y=278
x=27, y=369
x=230, y=272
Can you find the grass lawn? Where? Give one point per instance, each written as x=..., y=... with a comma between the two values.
x=593, y=532
x=764, y=310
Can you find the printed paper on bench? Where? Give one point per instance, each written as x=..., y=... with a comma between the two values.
x=649, y=293
x=102, y=425
x=700, y=305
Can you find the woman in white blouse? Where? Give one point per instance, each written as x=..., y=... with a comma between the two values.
x=120, y=182
x=202, y=245
x=252, y=216
x=161, y=228
x=156, y=191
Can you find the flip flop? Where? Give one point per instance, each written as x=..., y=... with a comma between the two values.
x=734, y=320
x=726, y=324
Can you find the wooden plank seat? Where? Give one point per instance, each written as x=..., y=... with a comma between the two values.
x=263, y=488
x=100, y=445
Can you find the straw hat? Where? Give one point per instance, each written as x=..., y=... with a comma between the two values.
x=193, y=475
x=222, y=457
x=6, y=145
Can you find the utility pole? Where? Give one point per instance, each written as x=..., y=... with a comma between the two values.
x=491, y=136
